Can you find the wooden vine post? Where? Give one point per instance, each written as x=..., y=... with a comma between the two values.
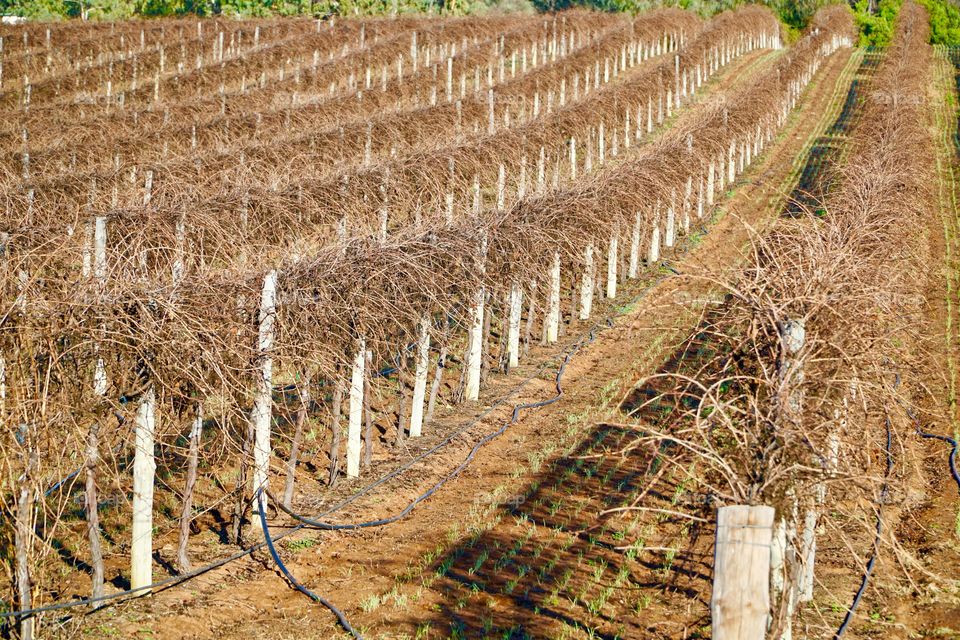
x=474, y=358
x=355, y=423
x=262, y=414
x=186, y=514
x=740, y=603
x=93, y=435
x=420, y=378
x=144, y=467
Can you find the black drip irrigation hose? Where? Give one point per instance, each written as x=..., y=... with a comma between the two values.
x=175, y=580
x=329, y=526
x=296, y=584
x=871, y=563
x=952, y=461
x=172, y=581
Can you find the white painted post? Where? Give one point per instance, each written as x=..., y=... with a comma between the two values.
x=148, y=188
x=420, y=378
x=676, y=80
x=740, y=603
x=180, y=249
x=474, y=359
x=144, y=467
x=573, y=158
x=450, y=79
x=501, y=187
x=553, y=305
x=356, y=411
x=262, y=414
x=808, y=555
x=601, y=144
x=653, y=253
x=541, y=170
x=586, y=283
x=778, y=560
x=475, y=347
x=613, y=255
x=100, y=273
x=635, y=248
x=668, y=240
x=522, y=182
x=491, y=119
x=100, y=248
x=513, y=334
x=700, y=198
x=731, y=162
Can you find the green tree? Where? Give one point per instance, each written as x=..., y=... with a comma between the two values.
x=876, y=29
x=944, y=22
x=36, y=9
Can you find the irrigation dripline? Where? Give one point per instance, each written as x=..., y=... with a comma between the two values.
x=172, y=581
x=868, y=571
x=329, y=526
x=952, y=461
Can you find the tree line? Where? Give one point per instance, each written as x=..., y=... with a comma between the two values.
x=875, y=18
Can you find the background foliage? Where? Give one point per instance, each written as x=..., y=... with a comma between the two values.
x=944, y=22
x=876, y=26
x=875, y=19
x=794, y=13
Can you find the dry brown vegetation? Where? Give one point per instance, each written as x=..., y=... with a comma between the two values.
x=382, y=198
x=805, y=387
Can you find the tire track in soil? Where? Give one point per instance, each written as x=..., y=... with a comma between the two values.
x=350, y=567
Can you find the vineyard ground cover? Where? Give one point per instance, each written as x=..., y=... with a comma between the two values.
x=635, y=344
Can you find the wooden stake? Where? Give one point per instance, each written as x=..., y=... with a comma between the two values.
x=437, y=382
x=553, y=303
x=356, y=411
x=23, y=536
x=144, y=466
x=303, y=390
x=186, y=513
x=740, y=604
x=335, y=411
x=531, y=314
x=262, y=415
x=420, y=378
